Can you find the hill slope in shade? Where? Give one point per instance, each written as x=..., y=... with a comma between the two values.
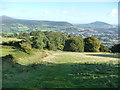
x=12, y=25
x=7, y=20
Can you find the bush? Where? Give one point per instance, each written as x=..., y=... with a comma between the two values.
x=26, y=47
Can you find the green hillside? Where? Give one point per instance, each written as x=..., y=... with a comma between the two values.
x=56, y=60
x=12, y=25
x=61, y=70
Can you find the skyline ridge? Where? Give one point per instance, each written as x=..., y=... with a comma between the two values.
x=8, y=17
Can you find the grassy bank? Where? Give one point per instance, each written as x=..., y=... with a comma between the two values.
x=62, y=70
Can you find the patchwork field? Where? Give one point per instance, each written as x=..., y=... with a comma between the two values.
x=50, y=69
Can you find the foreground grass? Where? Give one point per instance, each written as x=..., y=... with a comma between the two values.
x=62, y=70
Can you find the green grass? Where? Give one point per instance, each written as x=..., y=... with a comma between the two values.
x=23, y=58
x=61, y=70
x=73, y=57
x=9, y=39
x=5, y=50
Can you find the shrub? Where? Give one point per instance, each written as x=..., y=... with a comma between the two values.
x=26, y=47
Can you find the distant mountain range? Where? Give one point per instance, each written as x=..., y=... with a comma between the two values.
x=9, y=20
x=100, y=23
x=97, y=24
x=12, y=25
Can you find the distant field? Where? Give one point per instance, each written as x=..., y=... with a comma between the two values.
x=50, y=69
x=5, y=50
x=8, y=49
x=9, y=39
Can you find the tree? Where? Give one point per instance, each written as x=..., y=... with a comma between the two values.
x=51, y=46
x=92, y=44
x=75, y=44
x=39, y=41
x=116, y=48
x=23, y=35
x=55, y=39
x=103, y=48
x=15, y=34
x=26, y=47
x=35, y=33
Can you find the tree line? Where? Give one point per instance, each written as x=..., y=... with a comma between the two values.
x=59, y=41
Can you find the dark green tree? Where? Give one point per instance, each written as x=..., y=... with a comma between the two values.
x=116, y=48
x=55, y=39
x=104, y=48
x=92, y=44
x=26, y=47
x=75, y=44
x=51, y=46
x=39, y=41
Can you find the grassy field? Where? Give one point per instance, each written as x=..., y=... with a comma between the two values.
x=4, y=50
x=50, y=69
x=9, y=39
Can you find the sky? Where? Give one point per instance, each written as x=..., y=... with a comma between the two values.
x=73, y=12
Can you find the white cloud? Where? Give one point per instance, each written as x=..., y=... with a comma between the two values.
x=46, y=12
x=74, y=8
x=65, y=12
x=114, y=12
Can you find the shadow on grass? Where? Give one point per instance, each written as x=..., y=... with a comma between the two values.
x=105, y=55
x=66, y=75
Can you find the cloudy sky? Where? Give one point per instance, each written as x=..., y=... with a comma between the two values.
x=73, y=12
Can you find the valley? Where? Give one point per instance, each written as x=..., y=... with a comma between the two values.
x=106, y=33
x=49, y=54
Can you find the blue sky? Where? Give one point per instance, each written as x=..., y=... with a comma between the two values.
x=73, y=12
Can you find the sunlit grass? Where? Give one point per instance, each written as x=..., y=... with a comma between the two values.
x=7, y=50
x=53, y=69
x=73, y=57
x=9, y=39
